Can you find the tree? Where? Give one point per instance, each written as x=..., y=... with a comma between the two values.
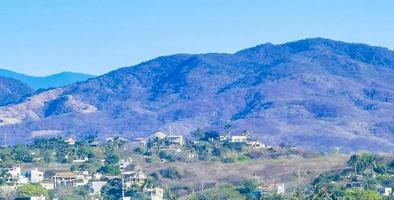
x=112, y=190
x=32, y=190
x=249, y=189
x=361, y=194
x=171, y=173
x=109, y=169
x=362, y=162
x=112, y=158
x=22, y=153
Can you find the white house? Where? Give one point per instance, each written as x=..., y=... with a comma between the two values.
x=14, y=172
x=175, y=139
x=69, y=141
x=95, y=187
x=35, y=176
x=239, y=138
x=156, y=193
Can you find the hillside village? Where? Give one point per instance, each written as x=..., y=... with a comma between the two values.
x=113, y=167
x=56, y=168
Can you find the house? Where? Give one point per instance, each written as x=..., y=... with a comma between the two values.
x=224, y=138
x=277, y=188
x=175, y=139
x=80, y=160
x=156, y=193
x=95, y=187
x=35, y=176
x=64, y=179
x=82, y=178
x=14, y=172
x=256, y=144
x=134, y=178
x=69, y=141
x=97, y=176
x=239, y=138
x=124, y=163
x=387, y=191
x=280, y=188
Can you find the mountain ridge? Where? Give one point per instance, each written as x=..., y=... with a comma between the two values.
x=45, y=82
x=316, y=93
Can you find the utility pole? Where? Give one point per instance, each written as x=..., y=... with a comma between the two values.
x=5, y=139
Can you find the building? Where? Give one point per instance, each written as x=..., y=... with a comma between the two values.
x=239, y=138
x=69, y=141
x=256, y=144
x=80, y=160
x=175, y=139
x=14, y=172
x=134, y=178
x=156, y=193
x=64, y=179
x=124, y=163
x=35, y=176
x=223, y=137
x=82, y=179
x=387, y=191
x=95, y=187
x=277, y=188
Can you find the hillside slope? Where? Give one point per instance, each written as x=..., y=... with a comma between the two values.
x=315, y=93
x=11, y=91
x=44, y=82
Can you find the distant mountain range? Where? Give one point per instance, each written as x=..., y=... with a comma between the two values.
x=44, y=82
x=315, y=93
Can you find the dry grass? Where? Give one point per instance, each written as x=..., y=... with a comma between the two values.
x=267, y=171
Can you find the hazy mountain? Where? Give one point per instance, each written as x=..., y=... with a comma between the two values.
x=55, y=80
x=315, y=93
x=11, y=91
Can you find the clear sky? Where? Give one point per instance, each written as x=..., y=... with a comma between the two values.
x=41, y=37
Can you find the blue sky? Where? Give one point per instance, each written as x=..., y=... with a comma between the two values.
x=92, y=36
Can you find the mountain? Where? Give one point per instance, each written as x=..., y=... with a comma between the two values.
x=315, y=93
x=44, y=82
x=11, y=91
